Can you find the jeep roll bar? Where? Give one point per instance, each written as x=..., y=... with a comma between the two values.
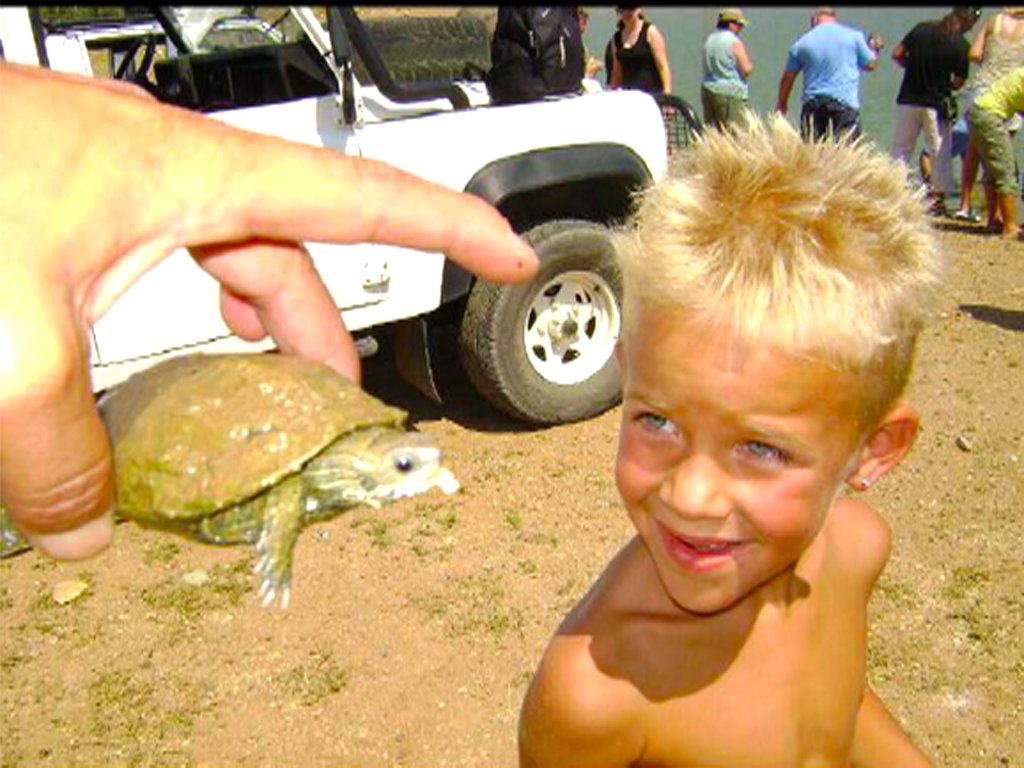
x=347, y=31
x=172, y=29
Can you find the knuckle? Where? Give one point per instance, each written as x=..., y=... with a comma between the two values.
x=65, y=505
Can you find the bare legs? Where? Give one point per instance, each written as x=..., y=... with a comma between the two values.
x=968, y=173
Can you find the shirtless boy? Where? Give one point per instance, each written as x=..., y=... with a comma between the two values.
x=774, y=291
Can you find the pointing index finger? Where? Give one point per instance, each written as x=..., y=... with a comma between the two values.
x=297, y=192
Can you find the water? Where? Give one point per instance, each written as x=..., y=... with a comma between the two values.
x=771, y=32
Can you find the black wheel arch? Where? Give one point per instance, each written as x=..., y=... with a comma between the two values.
x=593, y=182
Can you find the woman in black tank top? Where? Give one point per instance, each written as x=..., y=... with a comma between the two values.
x=644, y=64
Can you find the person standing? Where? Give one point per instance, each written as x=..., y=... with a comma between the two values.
x=934, y=59
x=726, y=69
x=998, y=49
x=536, y=51
x=831, y=56
x=640, y=60
x=987, y=118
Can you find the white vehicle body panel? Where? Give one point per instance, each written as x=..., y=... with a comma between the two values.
x=554, y=123
x=16, y=34
x=67, y=54
x=371, y=284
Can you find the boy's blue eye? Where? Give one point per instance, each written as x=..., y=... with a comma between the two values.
x=656, y=422
x=765, y=452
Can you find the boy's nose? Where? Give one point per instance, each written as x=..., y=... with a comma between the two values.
x=697, y=488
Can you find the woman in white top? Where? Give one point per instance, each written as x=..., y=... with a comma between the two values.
x=998, y=48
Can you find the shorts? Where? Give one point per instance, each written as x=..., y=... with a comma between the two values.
x=912, y=120
x=995, y=149
x=721, y=110
x=821, y=114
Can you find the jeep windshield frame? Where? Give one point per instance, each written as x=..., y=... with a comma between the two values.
x=234, y=60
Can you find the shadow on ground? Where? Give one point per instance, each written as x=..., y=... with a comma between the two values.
x=1009, y=319
x=964, y=227
x=461, y=404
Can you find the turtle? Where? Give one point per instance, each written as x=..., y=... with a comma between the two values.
x=250, y=448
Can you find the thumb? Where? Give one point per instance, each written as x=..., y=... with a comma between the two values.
x=56, y=477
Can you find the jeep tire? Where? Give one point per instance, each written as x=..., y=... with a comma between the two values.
x=544, y=352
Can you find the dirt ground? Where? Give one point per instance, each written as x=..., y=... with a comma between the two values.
x=413, y=631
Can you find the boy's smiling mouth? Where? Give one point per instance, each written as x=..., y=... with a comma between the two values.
x=699, y=553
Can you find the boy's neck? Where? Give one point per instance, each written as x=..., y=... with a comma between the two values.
x=779, y=593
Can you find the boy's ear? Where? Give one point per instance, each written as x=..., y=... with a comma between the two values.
x=886, y=446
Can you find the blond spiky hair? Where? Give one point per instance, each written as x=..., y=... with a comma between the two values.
x=819, y=249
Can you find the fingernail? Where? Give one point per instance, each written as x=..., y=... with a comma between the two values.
x=85, y=541
x=528, y=257
x=347, y=365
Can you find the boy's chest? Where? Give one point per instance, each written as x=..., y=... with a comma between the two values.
x=788, y=697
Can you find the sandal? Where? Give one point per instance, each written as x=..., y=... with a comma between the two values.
x=969, y=216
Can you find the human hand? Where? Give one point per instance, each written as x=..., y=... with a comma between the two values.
x=875, y=42
x=98, y=183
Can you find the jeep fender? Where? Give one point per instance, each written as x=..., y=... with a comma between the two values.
x=594, y=182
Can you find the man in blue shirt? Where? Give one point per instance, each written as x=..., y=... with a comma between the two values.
x=831, y=56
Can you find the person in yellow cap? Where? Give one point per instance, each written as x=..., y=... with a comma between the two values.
x=726, y=65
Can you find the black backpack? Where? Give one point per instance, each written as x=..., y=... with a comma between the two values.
x=535, y=52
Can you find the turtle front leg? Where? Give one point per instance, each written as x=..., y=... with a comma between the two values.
x=11, y=540
x=283, y=520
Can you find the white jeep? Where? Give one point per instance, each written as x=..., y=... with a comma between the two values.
x=407, y=90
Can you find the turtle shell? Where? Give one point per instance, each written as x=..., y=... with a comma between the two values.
x=200, y=433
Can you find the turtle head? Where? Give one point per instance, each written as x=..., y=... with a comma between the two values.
x=373, y=466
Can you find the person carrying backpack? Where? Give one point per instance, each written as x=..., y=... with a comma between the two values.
x=536, y=51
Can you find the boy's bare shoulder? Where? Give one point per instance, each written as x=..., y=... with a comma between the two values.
x=580, y=706
x=857, y=542
x=574, y=710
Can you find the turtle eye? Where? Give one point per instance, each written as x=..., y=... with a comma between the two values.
x=405, y=463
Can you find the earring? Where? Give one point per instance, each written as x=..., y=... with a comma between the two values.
x=864, y=483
